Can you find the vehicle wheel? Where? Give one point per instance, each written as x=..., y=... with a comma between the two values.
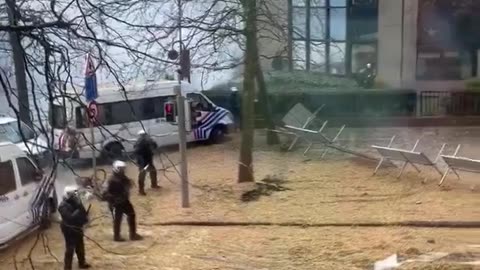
x=217, y=135
x=113, y=151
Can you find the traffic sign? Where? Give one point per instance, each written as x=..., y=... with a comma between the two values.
x=92, y=110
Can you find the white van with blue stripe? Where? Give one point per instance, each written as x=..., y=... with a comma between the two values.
x=123, y=111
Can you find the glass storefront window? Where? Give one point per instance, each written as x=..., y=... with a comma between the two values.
x=338, y=23
x=299, y=55
x=337, y=58
x=318, y=3
x=338, y=3
x=299, y=3
x=447, y=40
x=318, y=57
x=362, y=54
x=318, y=18
x=325, y=43
x=299, y=23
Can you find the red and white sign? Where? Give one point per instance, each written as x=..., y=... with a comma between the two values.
x=92, y=110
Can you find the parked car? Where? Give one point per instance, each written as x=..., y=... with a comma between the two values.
x=27, y=195
x=23, y=137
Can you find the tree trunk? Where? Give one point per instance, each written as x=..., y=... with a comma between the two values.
x=272, y=137
x=19, y=64
x=245, y=169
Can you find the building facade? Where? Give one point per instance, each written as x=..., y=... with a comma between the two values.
x=420, y=44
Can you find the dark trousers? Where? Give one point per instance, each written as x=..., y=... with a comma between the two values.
x=119, y=210
x=141, y=176
x=73, y=243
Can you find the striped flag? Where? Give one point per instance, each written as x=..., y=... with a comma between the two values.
x=91, y=92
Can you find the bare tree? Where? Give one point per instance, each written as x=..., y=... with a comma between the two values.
x=245, y=169
x=130, y=39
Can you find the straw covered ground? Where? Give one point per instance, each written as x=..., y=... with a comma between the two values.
x=290, y=188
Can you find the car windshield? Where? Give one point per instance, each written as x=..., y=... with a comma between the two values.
x=9, y=132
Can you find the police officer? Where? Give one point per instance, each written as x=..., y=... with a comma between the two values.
x=118, y=196
x=74, y=217
x=144, y=153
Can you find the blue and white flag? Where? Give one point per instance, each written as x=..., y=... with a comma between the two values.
x=91, y=92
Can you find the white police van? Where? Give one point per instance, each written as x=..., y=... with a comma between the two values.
x=149, y=106
x=18, y=133
x=27, y=196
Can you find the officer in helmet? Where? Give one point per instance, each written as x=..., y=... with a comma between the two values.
x=117, y=195
x=74, y=217
x=143, y=149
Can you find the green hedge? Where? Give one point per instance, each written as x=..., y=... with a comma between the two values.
x=341, y=96
x=388, y=103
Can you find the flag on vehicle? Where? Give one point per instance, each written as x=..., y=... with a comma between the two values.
x=90, y=80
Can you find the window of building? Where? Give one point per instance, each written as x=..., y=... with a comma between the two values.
x=447, y=40
x=362, y=34
x=319, y=30
x=324, y=37
x=299, y=55
x=7, y=176
x=318, y=61
x=299, y=22
x=362, y=54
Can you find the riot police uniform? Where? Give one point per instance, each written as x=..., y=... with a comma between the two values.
x=74, y=217
x=144, y=154
x=118, y=196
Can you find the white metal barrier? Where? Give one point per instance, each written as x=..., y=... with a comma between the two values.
x=406, y=156
x=314, y=137
x=456, y=163
x=300, y=117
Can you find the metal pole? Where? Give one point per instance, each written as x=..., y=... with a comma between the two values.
x=402, y=43
x=183, y=146
x=94, y=156
x=182, y=133
x=19, y=66
x=180, y=24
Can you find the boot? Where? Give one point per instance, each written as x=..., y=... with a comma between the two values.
x=141, y=183
x=153, y=178
x=68, y=259
x=118, y=239
x=80, y=250
x=117, y=223
x=134, y=236
x=84, y=265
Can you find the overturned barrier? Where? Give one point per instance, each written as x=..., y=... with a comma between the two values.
x=313, y=137
x=408, y=157
x=455, y=163
x=300, y=117
x=297, y=121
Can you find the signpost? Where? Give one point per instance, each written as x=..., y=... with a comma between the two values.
x=181, y=116
x=91, y=94
x=183, y=58
x=92, y=112
x=182, y=133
